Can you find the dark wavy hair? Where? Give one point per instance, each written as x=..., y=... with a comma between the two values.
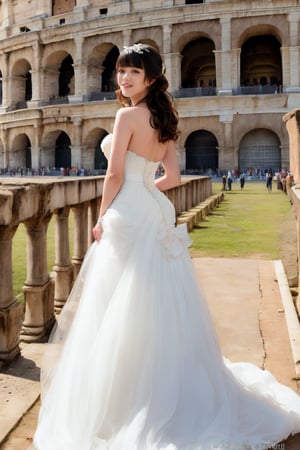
x=164, y=117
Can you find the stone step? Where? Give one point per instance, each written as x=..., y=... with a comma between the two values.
x=198, y=213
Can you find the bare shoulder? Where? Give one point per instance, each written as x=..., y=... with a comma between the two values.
x=126, y=113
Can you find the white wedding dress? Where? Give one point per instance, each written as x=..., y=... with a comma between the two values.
x=140, y=367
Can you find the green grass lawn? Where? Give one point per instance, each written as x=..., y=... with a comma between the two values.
x=246, y=224
x=19, y=254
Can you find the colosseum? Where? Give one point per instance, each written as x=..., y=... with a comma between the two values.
x=232, y=66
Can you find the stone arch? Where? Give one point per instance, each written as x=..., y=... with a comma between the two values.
x=20, y=152
x=151, y=36
x=198, y=68
x=21, y=86
x=58, y=75
x=101, y=73
x=261, y=63
x=260, y=149
x=93, y=150
x=201, y=151
x=258, y=29
x=56, y=149
x=63, y=157
x=183, y=34
x=66, y=85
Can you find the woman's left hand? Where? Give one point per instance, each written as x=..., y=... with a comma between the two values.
x=97, y=231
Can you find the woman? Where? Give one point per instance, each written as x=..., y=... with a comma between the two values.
x=140, y=367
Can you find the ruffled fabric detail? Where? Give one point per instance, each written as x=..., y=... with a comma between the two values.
x=175, y=240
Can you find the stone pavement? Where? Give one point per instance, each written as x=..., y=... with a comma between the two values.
x=253, y=311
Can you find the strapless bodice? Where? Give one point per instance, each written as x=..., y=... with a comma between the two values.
x=137, y=168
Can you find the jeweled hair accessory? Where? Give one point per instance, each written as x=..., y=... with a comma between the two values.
x=137, y=48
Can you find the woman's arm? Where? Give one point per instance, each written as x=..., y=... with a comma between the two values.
x=114, y=177
x=172, y=177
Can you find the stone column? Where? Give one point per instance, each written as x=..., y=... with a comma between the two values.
x=35, y=77
x=35, y=145
x=286, y=68
x=294, y=69
x=39, y=288
x=10, y=308
x=126, y=33
x=223, y=59
x=80, y=235
x=76, y=148
x=7, y=19
x=5, y=148
x=80, y=73
x=172, y=61
x=63, y=268
x=226, y=155
x=173, y=70
x=5, y=82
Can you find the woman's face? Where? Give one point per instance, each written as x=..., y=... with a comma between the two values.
x=133, y=83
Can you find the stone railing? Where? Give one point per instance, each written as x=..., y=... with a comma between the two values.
x=34, y=202
x=292, y=121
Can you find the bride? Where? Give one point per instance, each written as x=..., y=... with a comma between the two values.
x=134, y=362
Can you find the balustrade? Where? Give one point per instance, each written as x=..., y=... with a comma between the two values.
x=34, y=202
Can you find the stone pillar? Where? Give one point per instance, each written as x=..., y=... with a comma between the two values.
x=80, y=73
x=76, y=148
x=235, y=68
x=5, y=148
x=35, y=77
x=172, y=61
x=63, y=268
x=39, y=288
x=126, y=33
x=286, y=69
x=7, y=18
x=292, y=122
x=173, y=70
x=80, y=235
x=223, y=59
x=294, y=69
x=10, y=308
x=35, y=145
x=5, y=82
x=226, y=154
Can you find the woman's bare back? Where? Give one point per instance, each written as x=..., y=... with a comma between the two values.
x=145, y=139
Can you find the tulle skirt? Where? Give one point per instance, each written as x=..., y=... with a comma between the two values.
x=134, y=363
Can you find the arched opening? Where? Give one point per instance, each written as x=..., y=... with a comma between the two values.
x=261, y=65
x=198, y=67
x=21, y=88
x=260, y=151
x=201, y=152
x=66, y=77
x=109, y=82
x=20, y=154
x=63, y=151
x=100, y=159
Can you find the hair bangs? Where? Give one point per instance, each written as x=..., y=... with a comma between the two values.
x=130, y=59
